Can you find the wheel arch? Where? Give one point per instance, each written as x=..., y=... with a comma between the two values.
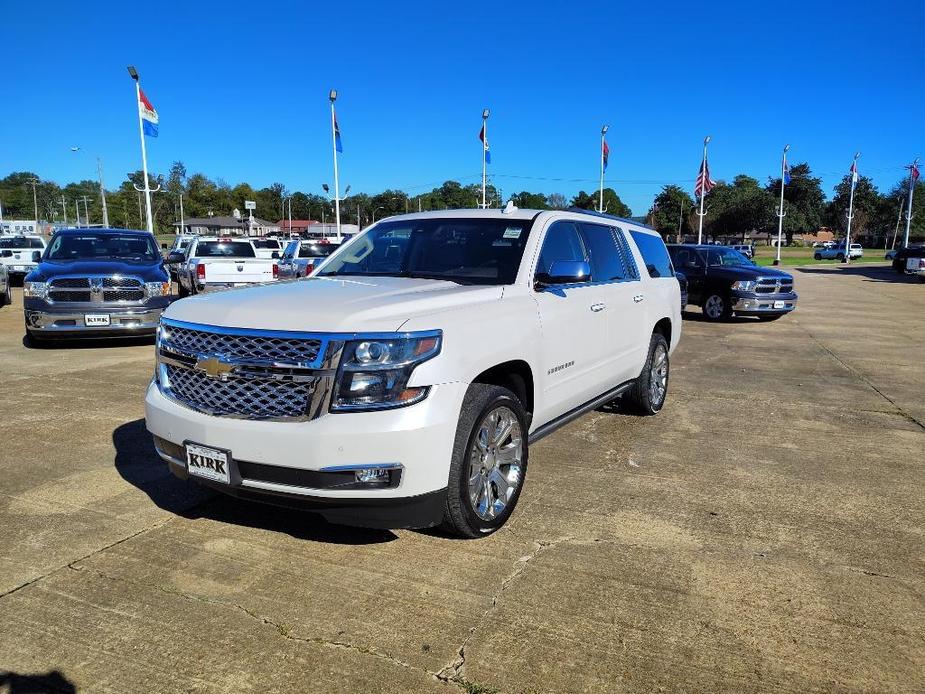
x=663, y=328
x=515, y=375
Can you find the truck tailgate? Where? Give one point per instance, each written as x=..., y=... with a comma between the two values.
x=238, y=271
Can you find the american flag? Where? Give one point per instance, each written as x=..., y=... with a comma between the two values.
x=704, y=183
x=605, y=153
x=914, y=171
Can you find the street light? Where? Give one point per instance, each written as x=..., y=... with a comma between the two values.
x=780, y=213
x=600, y=202
x=381, y=207
x=133, y=73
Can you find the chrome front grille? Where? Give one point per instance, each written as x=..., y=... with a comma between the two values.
x=242, y=397
x=96, y=290
x=774, y=285
x=294, y=351
x=248, y=374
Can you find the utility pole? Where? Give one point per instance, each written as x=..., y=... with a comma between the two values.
x=86, y=210
x=605, y=155
x=64, y=207
x=33, y=181
x=182, y=220
x=680, y=221
x=99, y=169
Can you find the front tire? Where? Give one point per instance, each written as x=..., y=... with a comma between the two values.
x=181, y=291
x=647, y=396
x=817, y=256
x=7, y=297
x=717, y=307
x=489, y=462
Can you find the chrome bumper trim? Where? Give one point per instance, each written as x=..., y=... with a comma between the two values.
x=44, y=321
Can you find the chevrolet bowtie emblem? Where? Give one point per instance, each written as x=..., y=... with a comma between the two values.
x=215, y=367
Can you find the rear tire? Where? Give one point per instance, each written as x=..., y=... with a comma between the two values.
x=647, y=396
x=181, y=291
x=489, y=462
x=840, y=257
x=717, y=307
x=817, y=256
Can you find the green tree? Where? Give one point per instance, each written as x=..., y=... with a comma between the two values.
x=671, y=206
x=612, y=202
x=868, y=206
x=804, y=201
x=530, y=201
x=732, y=211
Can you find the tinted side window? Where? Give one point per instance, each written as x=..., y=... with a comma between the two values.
x=654, y=254
x=686, y=258
x=561, y=243
x=606, y=263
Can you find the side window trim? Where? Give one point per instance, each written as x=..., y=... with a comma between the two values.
x=626, y=255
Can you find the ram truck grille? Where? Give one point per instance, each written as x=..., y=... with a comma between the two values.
x=773, y=285
x=96, y=290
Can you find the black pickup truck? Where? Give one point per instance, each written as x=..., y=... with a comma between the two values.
x=724, y=282
x=96, y=283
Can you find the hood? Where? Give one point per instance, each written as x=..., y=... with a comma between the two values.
x=49, y=269
x=746, y=272
x=341, y=304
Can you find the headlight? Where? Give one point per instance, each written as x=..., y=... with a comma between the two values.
x=157, y=289
x=37, y=290
x=744, y=285
x=374, y=373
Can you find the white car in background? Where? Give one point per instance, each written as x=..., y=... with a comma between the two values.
x=212, y=263
x=301, y=257
x=838, y=252
x=21, y=253
x=403, y=382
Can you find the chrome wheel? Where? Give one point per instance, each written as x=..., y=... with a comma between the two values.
x=495, y=462
x=714, y=306
x=658, y=376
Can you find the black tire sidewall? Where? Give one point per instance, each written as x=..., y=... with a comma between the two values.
x=490, y=397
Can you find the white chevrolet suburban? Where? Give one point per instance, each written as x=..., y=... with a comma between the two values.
x=402, y=383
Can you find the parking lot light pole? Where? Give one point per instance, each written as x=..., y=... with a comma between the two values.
x=780, y=212
x=332, y=96
x=133, y=73
x=485, y=114
x=854, y=183
x=913, y=177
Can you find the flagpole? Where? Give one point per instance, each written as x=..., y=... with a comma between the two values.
x=780, y=212
x=485, y=114
x=99, y=169
x=600, y=204
x=144, y=152
x=332, y=95
x=854, y=177
x=912, y=179
x=703, y=189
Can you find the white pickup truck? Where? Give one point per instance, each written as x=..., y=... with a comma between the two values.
x=21, y=253
x=211, y=263
x=403, y=382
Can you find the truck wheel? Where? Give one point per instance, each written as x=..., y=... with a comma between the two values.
x=647, y=396
x=181, y=290
x=7, y=297
x=817, y=256
x=840, y=257
x=489, y=462
x=717, y=307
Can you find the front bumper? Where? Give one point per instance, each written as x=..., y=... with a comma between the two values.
x=750, y=304
x=71, y=322
x=278, y=462
x=19, y=270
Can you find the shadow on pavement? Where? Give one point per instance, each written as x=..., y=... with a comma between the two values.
x=139, y=465
x=53, y=681
x=88, y=343
x=871, y=273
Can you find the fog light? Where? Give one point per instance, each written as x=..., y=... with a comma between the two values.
x=372, y=475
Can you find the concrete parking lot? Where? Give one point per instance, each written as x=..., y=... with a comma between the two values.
x=763, y=533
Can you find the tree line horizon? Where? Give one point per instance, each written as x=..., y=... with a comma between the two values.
x=733, y=208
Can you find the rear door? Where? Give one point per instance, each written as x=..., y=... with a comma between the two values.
x=574, y=328
x=691, y=263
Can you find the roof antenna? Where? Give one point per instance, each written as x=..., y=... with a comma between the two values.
x=509, y=208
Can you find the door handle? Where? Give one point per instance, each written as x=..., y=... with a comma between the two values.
x=597, y=307
x=638, y=298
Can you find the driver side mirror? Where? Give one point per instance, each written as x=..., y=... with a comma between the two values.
x=566, y=272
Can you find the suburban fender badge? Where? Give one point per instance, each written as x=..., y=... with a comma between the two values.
x=214, y=367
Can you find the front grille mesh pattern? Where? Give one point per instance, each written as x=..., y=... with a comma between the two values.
x=288, y=350
x=81, y=296
x=773, y=286
x=72, y=283
x=79, y=289
x=124, y=295
x=243, y=397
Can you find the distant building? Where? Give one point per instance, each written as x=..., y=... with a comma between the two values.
x=236, y=225
x=299, y=226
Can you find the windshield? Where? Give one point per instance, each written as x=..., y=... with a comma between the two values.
x=272, y=244
x=129, y=247
x=21, y=242
x=466, y=251
x=725, y=256
x=321, y=250
x=224, y=249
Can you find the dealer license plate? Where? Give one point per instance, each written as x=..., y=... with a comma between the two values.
x=210, y=463
x=96, y=320
x=778, y=304
x=19, y=268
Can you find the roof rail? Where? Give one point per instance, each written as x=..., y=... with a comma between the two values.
x=604, y=215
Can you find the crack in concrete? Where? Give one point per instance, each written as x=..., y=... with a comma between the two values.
x=861, y=377
x=281, y=629
x=452, y=672
x=68, y=565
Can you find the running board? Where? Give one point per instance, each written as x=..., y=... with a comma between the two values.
x=570, y=416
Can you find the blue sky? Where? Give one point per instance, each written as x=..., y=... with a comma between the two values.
x=241, y=90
